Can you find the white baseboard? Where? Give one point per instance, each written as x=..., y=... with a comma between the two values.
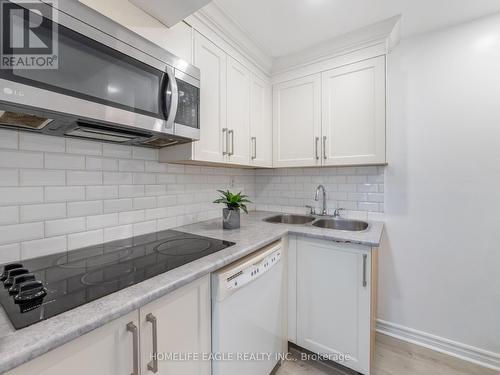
x=456, y=349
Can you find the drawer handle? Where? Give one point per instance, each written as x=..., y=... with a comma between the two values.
x=131, y=327
x=365, y=283
x=153, y=364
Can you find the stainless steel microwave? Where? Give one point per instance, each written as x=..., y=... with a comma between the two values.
x=110, y=84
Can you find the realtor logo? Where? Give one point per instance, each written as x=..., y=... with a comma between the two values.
x=28, y=35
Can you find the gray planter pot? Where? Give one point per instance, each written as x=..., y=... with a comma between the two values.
x=230, y=218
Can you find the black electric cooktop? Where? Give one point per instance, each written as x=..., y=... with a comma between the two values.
x=39, y=288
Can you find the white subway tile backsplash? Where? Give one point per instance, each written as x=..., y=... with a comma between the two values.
x=20, y=232
x=131, y=191
x=155, y=190
x=131, y=165
x=9, y=139
x=9, y=215
x=118, y=233
x=40, y=142
x=83, y=178
x=101, y=164
x=64, y=226
x=118, y=205
x=76, y=209
x=130, y=217
x=20, y=195
x=9, y=177
x=101, y=192
x=102, y=221
x=40, y=212
x=143, y=153
x=145, y=202
x=117, y=151
x=17, y=159
x=144, y=227
x=117, y=178
x=144, y=178
x=41, y=177
x=90, y=192
x=64, y=193
x=64, y=161
x=84, y=239
x=78, y=146
x=46, y=246
x=351, y=188
x=10, y=253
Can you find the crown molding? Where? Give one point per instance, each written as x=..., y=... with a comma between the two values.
x=385, y=33
x=230, y=32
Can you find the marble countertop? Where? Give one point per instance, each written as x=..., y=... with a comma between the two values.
x=20, y=346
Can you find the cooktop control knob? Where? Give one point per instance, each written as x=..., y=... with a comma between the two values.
x=18, y=280
x=30, y=291
x=7, y=268
x=9, y=281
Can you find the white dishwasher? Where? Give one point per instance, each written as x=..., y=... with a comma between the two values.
x=247, y=314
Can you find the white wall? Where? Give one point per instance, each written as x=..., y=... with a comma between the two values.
x=440, y=267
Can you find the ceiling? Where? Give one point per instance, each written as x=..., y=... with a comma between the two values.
x=281, y=27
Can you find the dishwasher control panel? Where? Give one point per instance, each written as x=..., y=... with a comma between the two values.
x=252, y=272
x=245, y=271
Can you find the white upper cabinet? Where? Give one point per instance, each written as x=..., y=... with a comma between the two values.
x=212, y=62
x=297, y=122
x=238, y=112
x=261, y=134
x=176, y=39
x=353, y=113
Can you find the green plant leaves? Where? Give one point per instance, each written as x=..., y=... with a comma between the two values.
x=233, y=201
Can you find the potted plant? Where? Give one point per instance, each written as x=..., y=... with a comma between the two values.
x=231, y=214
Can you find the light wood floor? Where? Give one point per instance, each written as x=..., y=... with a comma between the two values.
x=395, y=357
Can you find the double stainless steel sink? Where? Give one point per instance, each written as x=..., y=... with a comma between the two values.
x=320, y=222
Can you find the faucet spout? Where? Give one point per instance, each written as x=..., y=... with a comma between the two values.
x=316, y=198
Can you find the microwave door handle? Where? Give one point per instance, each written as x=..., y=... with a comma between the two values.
x=172, y=111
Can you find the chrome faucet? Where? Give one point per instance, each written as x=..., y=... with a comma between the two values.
x=316, y=198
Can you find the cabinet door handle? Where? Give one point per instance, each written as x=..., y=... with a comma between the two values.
x=365, y=283
x=131, y=327
x=231, y=133
x=225, y=143
x=153, y=364
x=316, y=148
x=324, y=147
x=254, y=148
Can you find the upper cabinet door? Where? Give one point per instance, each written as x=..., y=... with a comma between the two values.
x=212, y=62
x=261, y=133
x=297, y=122
x=353, y=121
x=238, y=112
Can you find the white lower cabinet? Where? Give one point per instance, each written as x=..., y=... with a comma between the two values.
x=125, y=346
x=182, y=323
x=108, y=350
x=330, y=300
